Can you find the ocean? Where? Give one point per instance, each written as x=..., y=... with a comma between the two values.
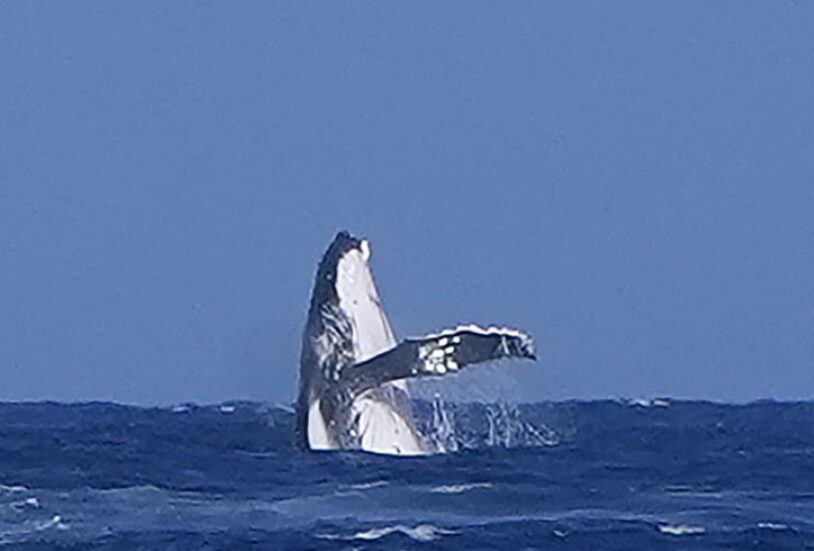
x=644, y=474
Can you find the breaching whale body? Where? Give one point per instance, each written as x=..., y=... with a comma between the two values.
x=353, y=373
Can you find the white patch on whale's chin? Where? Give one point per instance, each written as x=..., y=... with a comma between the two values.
x=359, y=299
x=318, y=438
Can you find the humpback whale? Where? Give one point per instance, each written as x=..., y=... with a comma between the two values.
x=353, y=373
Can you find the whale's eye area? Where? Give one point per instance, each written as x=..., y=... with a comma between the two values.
x=365, y=248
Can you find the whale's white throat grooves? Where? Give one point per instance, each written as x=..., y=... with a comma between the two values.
x=381, y=428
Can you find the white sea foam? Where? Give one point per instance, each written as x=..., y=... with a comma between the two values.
x=681, y=529
x=421, y=532
x=647, y=403
x=368, y=485
x=26, y=503
x=772, y=526
x=53, y=522
x=12, y=489
x=129, y=490
x=459, y=488
x=227, y=409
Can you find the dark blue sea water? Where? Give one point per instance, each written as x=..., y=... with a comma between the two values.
x=571, y=475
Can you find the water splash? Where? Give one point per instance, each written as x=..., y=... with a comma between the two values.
x=451, y=427
x=508, y=429
x=442, y=433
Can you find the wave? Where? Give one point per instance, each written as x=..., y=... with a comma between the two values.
x=421, y=533
x=369, y=485
x=54, y=522
x=681, y=529
x=27, y=503
x=258, y=431
x=23, y=531
x=459, y=488
x=13, y=489
x=772, y=526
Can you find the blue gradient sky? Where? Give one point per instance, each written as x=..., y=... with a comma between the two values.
x=633, y=182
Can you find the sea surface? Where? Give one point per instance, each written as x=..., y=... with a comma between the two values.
x=645, y=474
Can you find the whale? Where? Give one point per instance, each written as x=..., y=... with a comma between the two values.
x=353, y=382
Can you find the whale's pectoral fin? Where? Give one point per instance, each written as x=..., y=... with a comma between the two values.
x=438, y=354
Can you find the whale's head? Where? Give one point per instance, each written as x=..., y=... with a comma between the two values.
x=346, y=288
x=346, y=259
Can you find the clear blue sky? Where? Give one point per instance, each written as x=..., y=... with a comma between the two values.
x=633, y=182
